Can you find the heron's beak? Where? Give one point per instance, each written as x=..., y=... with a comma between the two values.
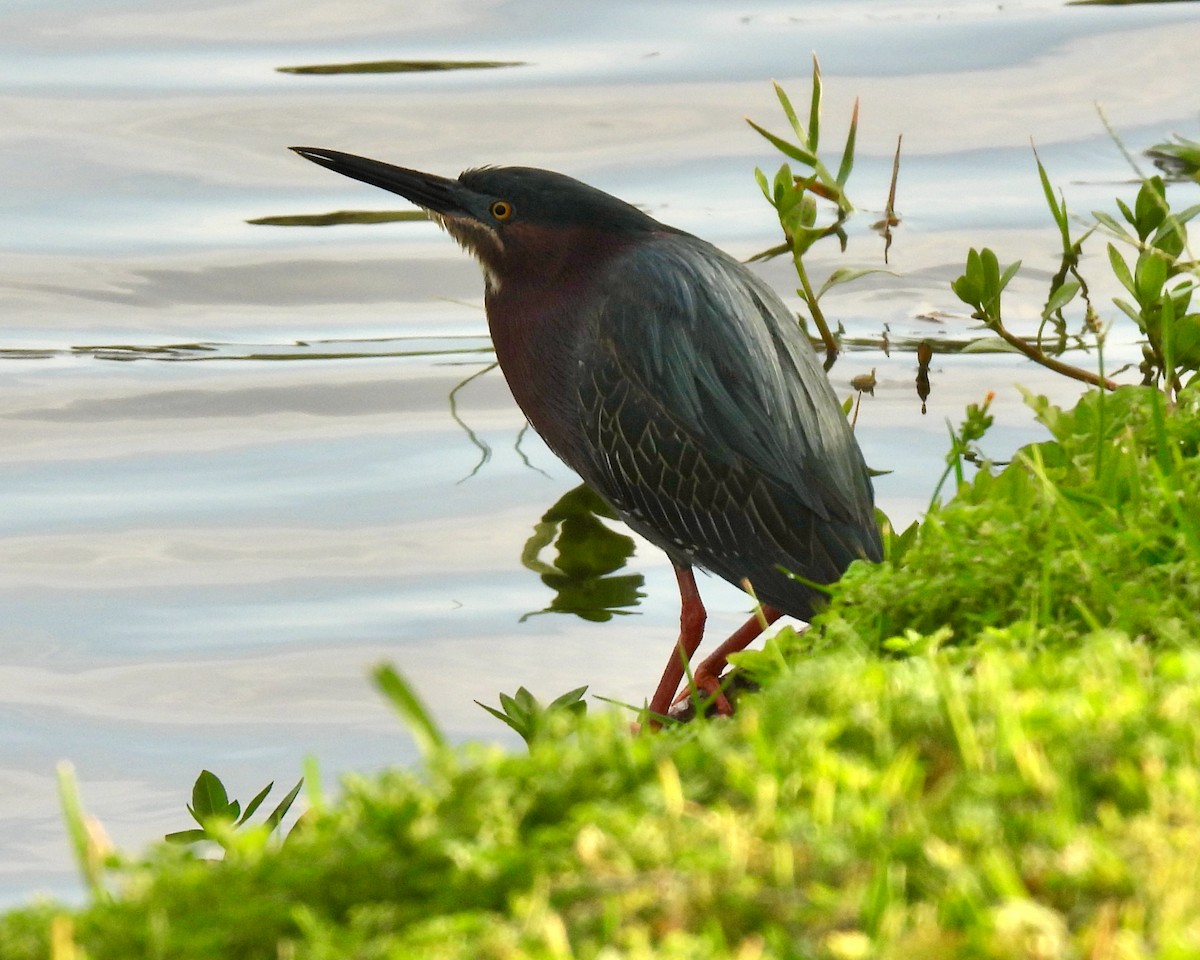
x=457, y=208
x=437, y=194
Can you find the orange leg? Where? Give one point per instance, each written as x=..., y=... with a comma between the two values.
x=691, y=631
x=707, y=676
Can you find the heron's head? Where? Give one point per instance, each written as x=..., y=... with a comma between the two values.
x=517, y=221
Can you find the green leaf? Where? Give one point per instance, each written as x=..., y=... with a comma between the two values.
x=514, y=709
x=84, y=845
x=1187, y=341
x=285, y=804
x=990, y=265
x=1009, y=273
x=1130, y=311
x=799, y=214
x=521, y=729
x=1120, y=269
x=783, y=187
x=571, y=700
x=1149, y=275
x=1057, y=210
x=1127, y=213
x=256, y=802
x=1060, y=297
x=847, y=162
x=209, y=798
x=966, y=290
x=1188, y=213
x=1170, y=238
x=847, y=274
x=789, y=111
x=187, y=836
x=1182, y=295
x=814, y=108
x=1150, y=207
x=783, y=146
x=765, y=187
x=1112, y=224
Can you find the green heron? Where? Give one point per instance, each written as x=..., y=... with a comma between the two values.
x=671, y=379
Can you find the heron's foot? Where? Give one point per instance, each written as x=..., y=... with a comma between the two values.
x=708, y=688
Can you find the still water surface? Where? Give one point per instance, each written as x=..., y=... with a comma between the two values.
x=230, y=473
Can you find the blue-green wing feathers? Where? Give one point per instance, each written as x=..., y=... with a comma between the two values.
x=712, y=428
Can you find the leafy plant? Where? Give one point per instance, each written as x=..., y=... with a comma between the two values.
x=530, y=719
x=795, y=198
x=980, y=286
x=1161, y=282
x=220, y=817
x=964, y=444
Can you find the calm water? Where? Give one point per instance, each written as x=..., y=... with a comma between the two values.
x=203, y=549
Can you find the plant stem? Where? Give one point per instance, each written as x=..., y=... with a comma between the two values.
x=1033, y=353
x=810, y=298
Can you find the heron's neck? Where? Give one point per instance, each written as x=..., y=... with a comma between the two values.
x=536, y=333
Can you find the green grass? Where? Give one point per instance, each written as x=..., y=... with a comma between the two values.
x=1098, y=529
x=999, y=805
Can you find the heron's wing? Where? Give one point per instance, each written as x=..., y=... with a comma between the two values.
x=712, y=422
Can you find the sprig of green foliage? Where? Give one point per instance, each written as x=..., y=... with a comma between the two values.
x=408, y=705
x=223, y=822
x=795, y=197
x=964, y=444
x=524, y=714
x=1161, y=281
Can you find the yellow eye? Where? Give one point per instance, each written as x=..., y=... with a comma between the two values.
x=501, y=209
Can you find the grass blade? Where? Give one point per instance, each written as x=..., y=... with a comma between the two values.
x=413, y=712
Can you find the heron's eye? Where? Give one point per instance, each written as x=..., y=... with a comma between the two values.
x=501, y=209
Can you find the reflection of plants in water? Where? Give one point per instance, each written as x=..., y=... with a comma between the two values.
x=485, y=450
x=588, y=552
x=399, y=66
